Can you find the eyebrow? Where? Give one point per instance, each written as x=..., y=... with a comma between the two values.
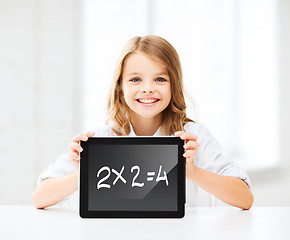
x=136, y=73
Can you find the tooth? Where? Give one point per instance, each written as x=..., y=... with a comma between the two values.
x=147, y=100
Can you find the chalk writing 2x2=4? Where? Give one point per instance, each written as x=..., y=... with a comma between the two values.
x=134, y=183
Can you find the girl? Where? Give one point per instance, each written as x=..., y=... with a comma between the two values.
x=146, y=98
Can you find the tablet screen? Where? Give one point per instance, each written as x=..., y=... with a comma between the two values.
x=132, y=177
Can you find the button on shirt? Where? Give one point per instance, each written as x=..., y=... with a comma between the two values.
x=208, y=156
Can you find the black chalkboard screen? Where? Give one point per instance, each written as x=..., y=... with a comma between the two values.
x=132, y=177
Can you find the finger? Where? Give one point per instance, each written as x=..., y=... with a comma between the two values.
x=76, y=163
x=179, y=133
x=188, y=136
x=76, y=147
x=189, y=161
x=193, y=145
x=90, y=134
x=80, y=137
x=74, y=151
x=189, y=154
x=73, y=156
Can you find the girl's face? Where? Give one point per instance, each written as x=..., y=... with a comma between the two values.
x=146, y=85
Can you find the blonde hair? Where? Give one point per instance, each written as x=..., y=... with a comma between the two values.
x=174, y=115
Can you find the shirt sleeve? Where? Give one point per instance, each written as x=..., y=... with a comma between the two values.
x=209, y=155
x=61, y=167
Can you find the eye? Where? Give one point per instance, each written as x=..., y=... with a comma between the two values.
x=160, y=79
x=135, y=80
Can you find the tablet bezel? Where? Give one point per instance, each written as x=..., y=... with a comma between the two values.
x=123, y=140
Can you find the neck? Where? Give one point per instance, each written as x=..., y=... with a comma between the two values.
x=144, y=126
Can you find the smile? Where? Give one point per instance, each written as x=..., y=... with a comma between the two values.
x=147, y=101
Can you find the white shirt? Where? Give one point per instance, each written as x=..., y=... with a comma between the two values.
x=208, y=156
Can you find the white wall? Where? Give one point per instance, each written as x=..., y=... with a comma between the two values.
x=39, y=72
x=271, y=186
x=284, y=22
x=40, y=78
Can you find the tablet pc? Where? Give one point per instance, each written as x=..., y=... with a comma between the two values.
x=132, y=177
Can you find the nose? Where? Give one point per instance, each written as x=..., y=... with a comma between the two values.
x=147, y=88
x=146, y=91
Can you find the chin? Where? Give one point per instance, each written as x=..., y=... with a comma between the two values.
x=149, y=116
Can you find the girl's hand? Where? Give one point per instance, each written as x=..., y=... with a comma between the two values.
x=75, y=147
x=191, y=145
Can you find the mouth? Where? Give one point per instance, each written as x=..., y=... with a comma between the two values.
x=147, y=101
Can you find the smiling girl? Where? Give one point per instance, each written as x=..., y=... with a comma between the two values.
x=146, y=99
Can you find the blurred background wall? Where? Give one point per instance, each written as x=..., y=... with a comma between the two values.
x=57, y=60
x=39, y=72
